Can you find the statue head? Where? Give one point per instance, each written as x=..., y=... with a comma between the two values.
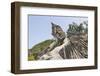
x=57, y=31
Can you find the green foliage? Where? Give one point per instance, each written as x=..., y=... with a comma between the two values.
x=31, y=57
x=39, y=47
x=75, y=28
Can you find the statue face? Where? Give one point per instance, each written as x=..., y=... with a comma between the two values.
x=57, y=31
